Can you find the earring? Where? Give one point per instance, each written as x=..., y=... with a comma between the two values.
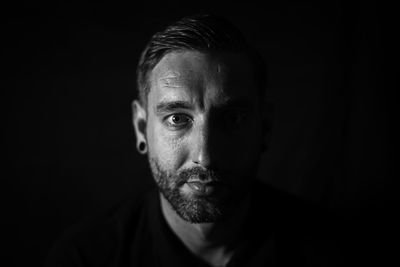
x=142, y=147
x=264, y=147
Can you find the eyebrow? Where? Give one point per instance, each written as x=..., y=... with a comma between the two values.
x=164, y=107
x=240, y=103
x=171, y=106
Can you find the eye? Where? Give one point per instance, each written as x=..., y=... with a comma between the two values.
x=178, y=120
x=235, y=117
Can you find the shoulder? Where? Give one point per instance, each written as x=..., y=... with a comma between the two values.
x=277, y=201
x=101, y=238
x=288, y=207
x=300, y=226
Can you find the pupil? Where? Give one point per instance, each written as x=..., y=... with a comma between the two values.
x=176, y=119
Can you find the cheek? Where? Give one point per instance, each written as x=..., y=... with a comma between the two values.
x=166, y=148
x=245, y=146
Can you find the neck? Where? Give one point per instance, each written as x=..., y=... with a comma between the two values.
x=212, y=242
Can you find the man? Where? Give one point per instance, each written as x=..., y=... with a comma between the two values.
x=200, y=118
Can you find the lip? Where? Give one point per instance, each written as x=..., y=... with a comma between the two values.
x=212, y=182
x=203, y=187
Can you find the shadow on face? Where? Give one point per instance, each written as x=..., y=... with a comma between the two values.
x=203, y=110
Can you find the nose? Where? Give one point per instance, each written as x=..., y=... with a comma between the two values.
x=201, y=147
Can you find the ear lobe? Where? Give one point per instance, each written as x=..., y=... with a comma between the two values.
x=266, y=125
x=266, y=135
x=139, y=124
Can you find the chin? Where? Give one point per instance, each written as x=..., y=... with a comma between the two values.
x=199, y=212
x=195, y=209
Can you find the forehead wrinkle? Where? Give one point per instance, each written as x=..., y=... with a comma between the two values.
x=171, y=79
x=215, y=84
x=171, y=82
x=203, y=79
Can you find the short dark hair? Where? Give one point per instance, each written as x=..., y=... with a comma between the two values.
x=203, y=33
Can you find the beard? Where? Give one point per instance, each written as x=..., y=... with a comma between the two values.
x=190, y=207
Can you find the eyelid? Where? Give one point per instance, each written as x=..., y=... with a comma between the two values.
x=178, y=114
x=237, y=111
x=182, y=125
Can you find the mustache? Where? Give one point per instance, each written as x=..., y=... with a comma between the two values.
x=200, y=174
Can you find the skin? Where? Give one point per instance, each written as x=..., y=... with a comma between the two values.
x=217, y=125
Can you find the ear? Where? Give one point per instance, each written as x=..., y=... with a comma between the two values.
x=266, y=117
x=139, y=124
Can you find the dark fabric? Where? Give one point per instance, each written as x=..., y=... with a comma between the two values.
x=280, y=230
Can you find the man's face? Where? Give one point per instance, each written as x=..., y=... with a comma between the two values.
x=203, y=132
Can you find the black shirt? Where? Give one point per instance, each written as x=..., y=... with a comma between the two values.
x=280, y=230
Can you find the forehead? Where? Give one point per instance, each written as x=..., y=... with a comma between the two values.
x=207, y=78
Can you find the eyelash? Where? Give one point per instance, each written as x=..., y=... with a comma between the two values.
x=188, y=120
x=231, y=120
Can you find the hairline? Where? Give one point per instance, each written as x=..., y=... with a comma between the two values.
x=144, y=92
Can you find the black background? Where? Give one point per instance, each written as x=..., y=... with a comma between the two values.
x=69, y=145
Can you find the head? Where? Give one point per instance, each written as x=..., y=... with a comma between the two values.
x=199, y=116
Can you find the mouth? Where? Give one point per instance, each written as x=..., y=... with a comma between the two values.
x=204, y=188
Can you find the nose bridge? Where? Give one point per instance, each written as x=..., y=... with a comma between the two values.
x=201, y=148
